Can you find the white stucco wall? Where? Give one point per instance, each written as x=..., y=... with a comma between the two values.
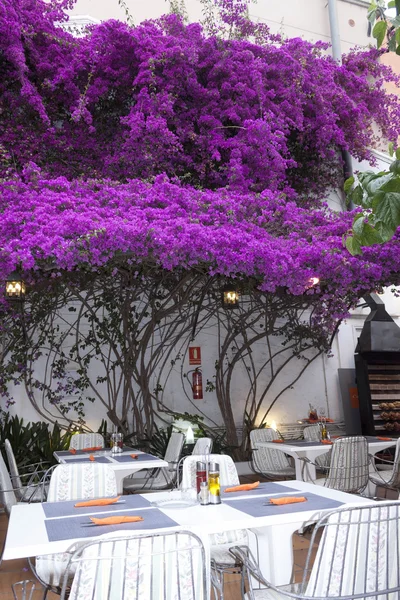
x=294, y=18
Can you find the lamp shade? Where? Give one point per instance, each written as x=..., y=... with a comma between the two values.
x=15, y=287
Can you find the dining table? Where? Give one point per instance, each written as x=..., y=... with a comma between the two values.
x=122, y=463
x=299, y=449
x=51, y=527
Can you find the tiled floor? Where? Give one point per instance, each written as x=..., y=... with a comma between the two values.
x=18, y=570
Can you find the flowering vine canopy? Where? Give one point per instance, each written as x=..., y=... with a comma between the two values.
x=162, y=144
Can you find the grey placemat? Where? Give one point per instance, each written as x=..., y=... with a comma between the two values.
x=66, y=453
x=260, y=507
x=300, y=443
x=263, y=489
x=71, y=528
x=140, y=458
x=65, y=509
x=86, y=459
x=373, y=438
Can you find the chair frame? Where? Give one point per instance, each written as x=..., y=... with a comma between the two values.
x=343, y=520
x=337, y=477
x=77, y=556
x=393, y=483
x=278, y=473
x=26, y=492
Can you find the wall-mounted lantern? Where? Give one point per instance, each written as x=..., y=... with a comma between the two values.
x=15, y=288
x=230, y=297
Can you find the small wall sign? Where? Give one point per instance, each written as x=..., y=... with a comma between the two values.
x=194, y=355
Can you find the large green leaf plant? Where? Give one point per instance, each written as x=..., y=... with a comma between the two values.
x=378, y=195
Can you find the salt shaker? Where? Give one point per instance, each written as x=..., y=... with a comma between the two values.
x=201, y=474
x=204, y=496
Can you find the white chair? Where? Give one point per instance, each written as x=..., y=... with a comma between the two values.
x=267, y=461
x=80, y=441
x=203, y=446
x=349, y=467
x=72, y=482
x=358, y=556
x=161, y=478
x=312, y=433
x=167, y=566
x=222, y=560
x=8, y=497
x=388, y=479
x=32, y=490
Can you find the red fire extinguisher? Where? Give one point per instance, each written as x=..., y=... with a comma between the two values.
x=197, y=385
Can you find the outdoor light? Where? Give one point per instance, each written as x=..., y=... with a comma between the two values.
x=230, y=297
x=15, y=287
x=189, y=436
x=274, y=425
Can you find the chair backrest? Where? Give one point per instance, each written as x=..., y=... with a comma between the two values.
x=203, y=446
x=12, y=464
x=394, y=480
x=265, y=459
x=349, y=468
x=148, y=567
x=7, y=495
x=359, y=553
x=312, y=433
x=227, y=471
x=174, y=447
x=86, y=481
x=79, y=441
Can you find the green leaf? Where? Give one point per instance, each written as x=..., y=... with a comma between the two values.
x=392, y=45
x=348, y=184
x=387, y=204
x=356, y=196
x=398, y=153
x=391, y=148
x=353, y=245
x=391, y=4
x=379, y=32
x=386, y=233
x=370, y=236
x=395, y=167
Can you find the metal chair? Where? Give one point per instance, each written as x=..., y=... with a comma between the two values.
x=269, y=462
x=203, y=446
x=32, y=490
x=221, y=559
x=388, y=479
x=358, y=556
x=349, y=466
x=312, y=433
x=163, y=566
x=80, y=441
x=8, y=497
x=71, y=482
x=164, y=477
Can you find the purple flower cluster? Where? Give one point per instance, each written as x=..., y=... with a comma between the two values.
x=162, y=145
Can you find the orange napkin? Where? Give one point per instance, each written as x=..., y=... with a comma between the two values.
x=326, y=442
x=72, y=450
x=278, y=441
x=91, y=457
x=384, y=439
x=329, y=421
x=115, y=520
x=97, y=502
x=134, y=455
x=245, y=487
x=287, y=500
x=94, y=449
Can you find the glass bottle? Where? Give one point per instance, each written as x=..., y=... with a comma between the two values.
x=213, y=484
x=324, y=431
x=201, y=474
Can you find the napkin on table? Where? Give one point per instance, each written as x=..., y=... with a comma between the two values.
x=278, y=441
x=244, y=487
x=287, y=500
x=93, y=449
x=92, y=458
x=326, y=442
x=115, y=520
x=72, y=450
x=97, y=502
x=134, y=455
x=383, y=439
